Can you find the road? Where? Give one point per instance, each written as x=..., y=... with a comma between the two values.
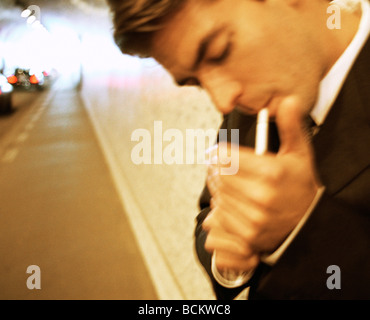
x=59, y=208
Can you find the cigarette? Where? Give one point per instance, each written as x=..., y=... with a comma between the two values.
x=262, y=131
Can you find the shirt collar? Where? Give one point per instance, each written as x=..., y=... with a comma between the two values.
x=331, y=85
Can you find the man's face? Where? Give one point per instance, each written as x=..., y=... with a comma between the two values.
x=247, y=54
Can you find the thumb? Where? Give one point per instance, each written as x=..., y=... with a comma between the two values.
x=292, y=130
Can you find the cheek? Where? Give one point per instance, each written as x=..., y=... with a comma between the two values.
x=254, y=60
x=273, y=70
x=267, y=63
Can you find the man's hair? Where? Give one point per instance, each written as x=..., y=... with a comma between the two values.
x=136, y=21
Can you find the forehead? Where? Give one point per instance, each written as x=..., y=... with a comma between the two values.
x=175, y=44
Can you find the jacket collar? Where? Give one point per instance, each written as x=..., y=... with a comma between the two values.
x=342, y=145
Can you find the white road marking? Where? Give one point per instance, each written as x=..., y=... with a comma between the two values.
x=22, y=137
x=10, y=155
x=36, y=117
x=30, y=126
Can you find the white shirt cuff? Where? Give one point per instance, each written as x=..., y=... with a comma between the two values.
x=229, y=278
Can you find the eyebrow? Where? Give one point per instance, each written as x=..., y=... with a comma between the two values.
x=202, y=50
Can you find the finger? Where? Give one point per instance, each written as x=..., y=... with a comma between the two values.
x=224, y=242
x=248, y=162
x=292, y=132
x=239, y=216
x=211, y=221
x=253, y=190
x=234, y=221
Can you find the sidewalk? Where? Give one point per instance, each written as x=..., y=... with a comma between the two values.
x=59, y=210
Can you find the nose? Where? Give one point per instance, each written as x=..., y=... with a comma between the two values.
x=223, y=91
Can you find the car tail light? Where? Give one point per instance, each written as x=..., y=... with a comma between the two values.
x=34, y=80
x=12, y=79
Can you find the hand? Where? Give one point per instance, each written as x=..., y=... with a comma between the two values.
x=256, y=209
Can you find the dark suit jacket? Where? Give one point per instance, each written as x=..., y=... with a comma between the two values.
x=338, y=230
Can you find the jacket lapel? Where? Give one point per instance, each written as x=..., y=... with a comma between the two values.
x=342, y=146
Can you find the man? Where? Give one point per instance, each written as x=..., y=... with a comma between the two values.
x=293, y=223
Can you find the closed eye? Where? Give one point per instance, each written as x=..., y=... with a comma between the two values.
x=221, y=58
x=189, y=82
x=215, y=48
x=216, y=61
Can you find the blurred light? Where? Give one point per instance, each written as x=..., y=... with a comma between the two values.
x=37, y=25
x=25, y=13
x=34, y=80
x=38, y=76
x=12, y=79
x=31, y=19
x=7, y=88
x=66, y=46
